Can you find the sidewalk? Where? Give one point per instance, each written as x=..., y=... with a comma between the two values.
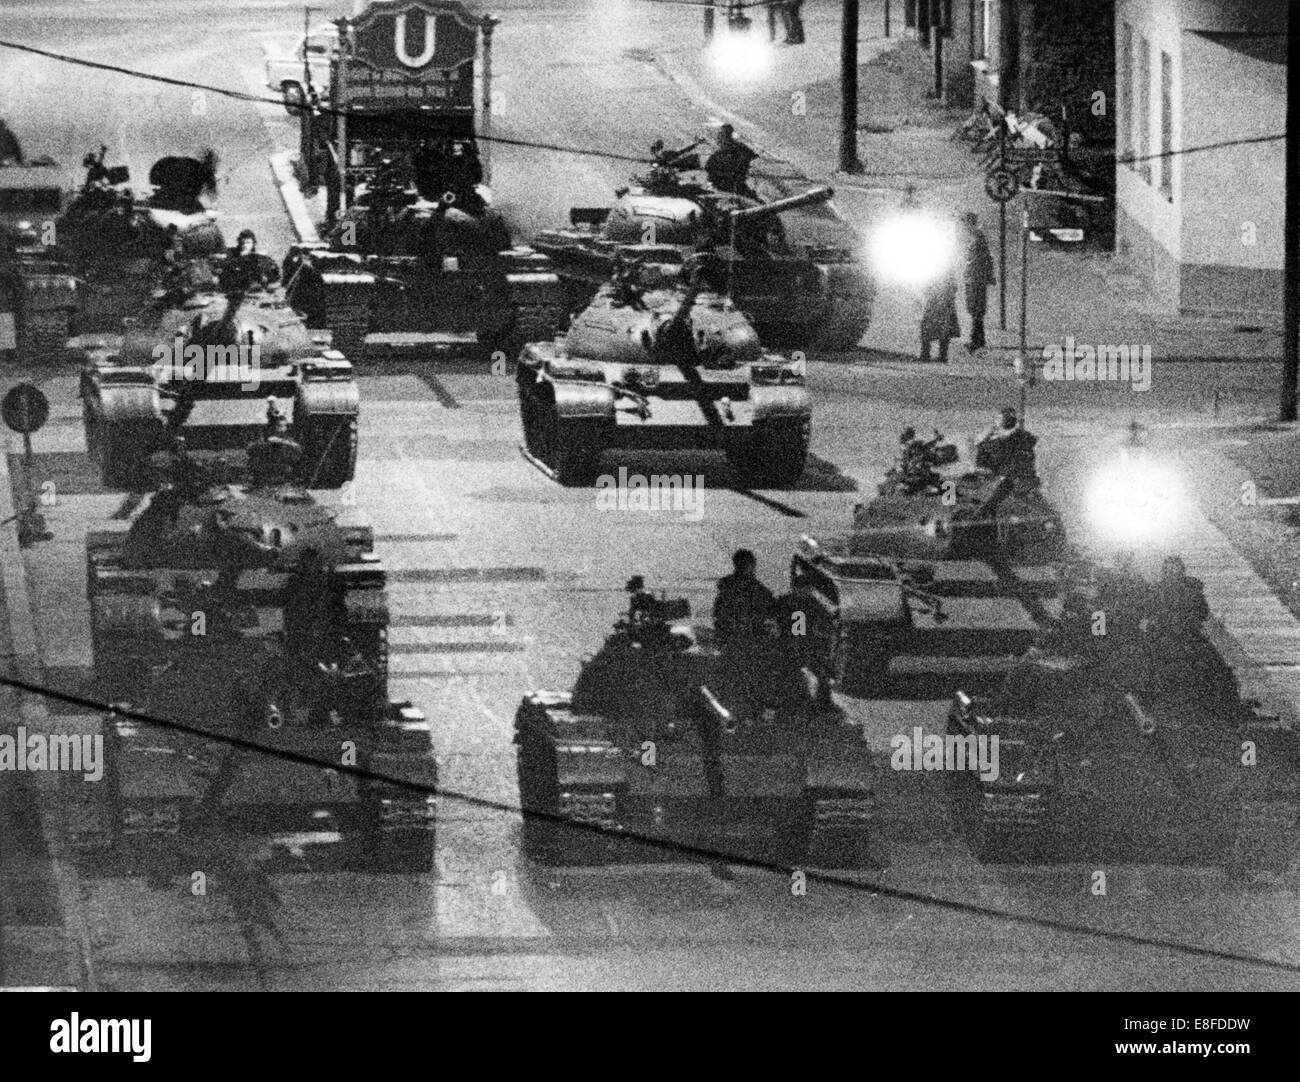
x=905, y=139
x=791, y=114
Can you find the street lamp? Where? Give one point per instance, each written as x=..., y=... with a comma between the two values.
x=1026, y=373
x=1136, y=500
x=913, y=248
x=739, y=50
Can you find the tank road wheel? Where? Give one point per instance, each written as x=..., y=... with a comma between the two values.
x=775, y=453
x=43, y=335
x=571, y=448
x=329, y=447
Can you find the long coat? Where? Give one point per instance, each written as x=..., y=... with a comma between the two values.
x=979, y=272
x=939, y=316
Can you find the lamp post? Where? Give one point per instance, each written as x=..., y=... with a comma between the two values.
x=487, y=25
x=1025, y=372
x=849, y=162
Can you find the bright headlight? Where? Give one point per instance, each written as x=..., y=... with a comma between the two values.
x=1135, y=500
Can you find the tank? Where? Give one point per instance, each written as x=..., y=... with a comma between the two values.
x=37, y=293
x=260, y=607
x=119, y=246
x=206, y=363
x=1136, y=746
x=946, y=578
x=929, y=507
x=669, y=750
x=656, y=362
x=399, y=262
x=798, y=296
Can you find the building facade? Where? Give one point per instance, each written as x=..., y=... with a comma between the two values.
x=1203, y=226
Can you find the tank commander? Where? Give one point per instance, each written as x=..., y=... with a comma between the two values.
x=625, y=284
x=1008, y=449
x=245, y=268
x=1124, y=596
x=728, y=166
x=743, y=603
x=274, y=460
x=1178, y=601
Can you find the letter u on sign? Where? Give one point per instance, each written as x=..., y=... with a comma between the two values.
x=430, y=40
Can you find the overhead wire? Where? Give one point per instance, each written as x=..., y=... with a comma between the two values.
x=695, y=852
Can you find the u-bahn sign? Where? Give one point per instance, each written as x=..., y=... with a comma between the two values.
x=419, y=52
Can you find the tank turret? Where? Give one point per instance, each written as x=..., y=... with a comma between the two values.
x=800, y=296
x=928, y=507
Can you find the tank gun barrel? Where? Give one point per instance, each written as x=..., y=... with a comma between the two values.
x=780, y=206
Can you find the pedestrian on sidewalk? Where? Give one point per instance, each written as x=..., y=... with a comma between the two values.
x=978, y=275
x=794, y=23
x=939, y=316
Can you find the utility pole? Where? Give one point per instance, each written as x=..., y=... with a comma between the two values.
x=1291, y=226
x=849, y=162
x=487, y=24
x=936, y=38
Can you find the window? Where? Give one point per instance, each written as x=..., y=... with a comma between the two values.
x=1166, y=162
x=1124, y=88
x=1144, y=109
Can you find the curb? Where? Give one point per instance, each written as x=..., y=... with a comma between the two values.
x=16, y=601
x=291, y=194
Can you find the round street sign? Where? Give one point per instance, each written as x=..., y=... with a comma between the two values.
x=25, y=408
x=1001, y=185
